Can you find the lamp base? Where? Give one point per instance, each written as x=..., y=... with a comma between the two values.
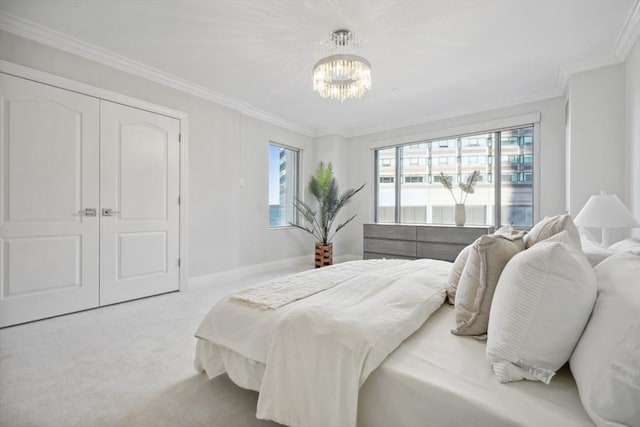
x=605, y=237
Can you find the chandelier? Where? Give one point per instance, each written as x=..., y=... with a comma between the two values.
x=343, y=74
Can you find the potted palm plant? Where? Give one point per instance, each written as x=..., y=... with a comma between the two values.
x=319, y=221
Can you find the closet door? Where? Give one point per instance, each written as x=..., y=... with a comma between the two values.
x=49, y=229
x=139, y=189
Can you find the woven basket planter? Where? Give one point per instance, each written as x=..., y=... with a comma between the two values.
x=324, y=254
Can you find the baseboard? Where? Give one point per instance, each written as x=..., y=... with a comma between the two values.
x=266, y=267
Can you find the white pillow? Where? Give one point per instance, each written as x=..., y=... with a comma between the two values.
x=552, y=225
x=626, y=245
x=593, y=250
x=606, y=361
x=541, y=306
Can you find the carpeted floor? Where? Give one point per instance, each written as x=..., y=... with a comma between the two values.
x=129, y=364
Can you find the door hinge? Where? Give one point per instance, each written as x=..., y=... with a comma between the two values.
x=178, y=199
x=179, y=262
x=179, y=137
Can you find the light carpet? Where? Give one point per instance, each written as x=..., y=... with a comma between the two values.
x=129, y=364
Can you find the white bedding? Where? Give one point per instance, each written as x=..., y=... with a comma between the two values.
x=436, y=379
x=248, y=330
x=433, y=379
x=324, y=349
x=279, y=292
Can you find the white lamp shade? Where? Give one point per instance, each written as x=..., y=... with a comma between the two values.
x=605, y=211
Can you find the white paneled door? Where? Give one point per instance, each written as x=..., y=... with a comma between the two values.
x=139, y=207
x=49, y=226
x=89, y=208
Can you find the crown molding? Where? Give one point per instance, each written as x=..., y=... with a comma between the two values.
x=55, y=39
x=565, y=71
x=629, y=33
x=511, y=102
x=333, y=131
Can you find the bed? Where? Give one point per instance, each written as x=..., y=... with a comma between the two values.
x=426, y=376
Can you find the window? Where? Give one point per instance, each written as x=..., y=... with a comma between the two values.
x=386, y=193
x=413, y=178
x=283, y=185
x=413, y=193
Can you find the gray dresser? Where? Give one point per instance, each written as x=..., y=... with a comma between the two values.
x=418, y=241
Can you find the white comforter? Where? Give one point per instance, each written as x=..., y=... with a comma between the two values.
x=324, y=348
x=247, y=330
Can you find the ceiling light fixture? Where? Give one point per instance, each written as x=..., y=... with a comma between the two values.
x=343, y=74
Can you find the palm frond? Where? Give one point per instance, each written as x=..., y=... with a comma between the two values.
x=323, y=186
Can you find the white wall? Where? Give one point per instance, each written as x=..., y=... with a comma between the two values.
x=551, y=156
x=596, y=151
x=228, y=222
x=632, y=91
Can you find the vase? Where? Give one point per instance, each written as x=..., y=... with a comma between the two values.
x=459, y=214
x=324, y=254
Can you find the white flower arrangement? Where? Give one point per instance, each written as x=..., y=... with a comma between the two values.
x=466, y=188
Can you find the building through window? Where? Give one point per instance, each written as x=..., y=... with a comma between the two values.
x=283, y=185
x=502, y=195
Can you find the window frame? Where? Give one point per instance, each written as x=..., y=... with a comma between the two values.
x=466, y=130
x=296, y=184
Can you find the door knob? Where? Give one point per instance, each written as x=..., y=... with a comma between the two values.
x=88, y=212
x=109, y=212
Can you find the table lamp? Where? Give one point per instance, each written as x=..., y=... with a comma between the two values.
x=605, y=211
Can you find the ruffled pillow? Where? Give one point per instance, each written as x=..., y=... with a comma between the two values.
x=461, y=260
x=456, y=272
x=487, y=257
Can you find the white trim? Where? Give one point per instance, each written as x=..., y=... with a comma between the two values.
x=245, y=271
x=567, y=70
x=485, y=126
x=85, y=89
x=184, y=203
x=96, y=92
x=55, y=39
x=558, y=91
x=537, y=178
x=255, y=269
x=629, y=33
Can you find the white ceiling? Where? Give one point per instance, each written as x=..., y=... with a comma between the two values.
x=430, y=59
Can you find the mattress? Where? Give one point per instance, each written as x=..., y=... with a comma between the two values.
x=439, y=379
x=433, y=379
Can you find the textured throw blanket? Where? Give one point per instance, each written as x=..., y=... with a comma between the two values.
x=324, y=348
x=282, y=291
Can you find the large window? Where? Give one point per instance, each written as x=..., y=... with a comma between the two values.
x=283, y=185
x=409, y=189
